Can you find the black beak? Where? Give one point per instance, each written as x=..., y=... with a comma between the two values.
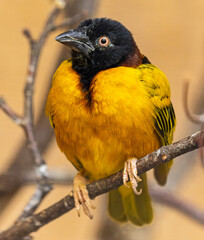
x=77, y=41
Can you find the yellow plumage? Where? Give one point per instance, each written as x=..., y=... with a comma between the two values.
x=125, y=119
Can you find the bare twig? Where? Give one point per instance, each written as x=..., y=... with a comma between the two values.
x=14, y=176
x=55, y=176
x=164, y=154
x=43, y=186
x=26, y=122
x=196, y=118
x=70, y=21
x=172, y=200
x=8, y=111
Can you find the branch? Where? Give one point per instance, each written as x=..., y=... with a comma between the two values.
x=63, y=177
x=9, y=112
x=26, y=122
x=164, y=154
x=55, y=176
x=196, y=118
x=21, y=161
x=70, y=21
x=178, y=203
x=43, y=186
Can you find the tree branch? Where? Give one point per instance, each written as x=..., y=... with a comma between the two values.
x=196, y=118
x=9, y=112
x=43, y=187
x=21, y=162
x=26, y=122
x=164, y=154
x=63, y=177
x=170, y=200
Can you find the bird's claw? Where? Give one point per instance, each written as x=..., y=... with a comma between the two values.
x=130, y=173
x=81, y=196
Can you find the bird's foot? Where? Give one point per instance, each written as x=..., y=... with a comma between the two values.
x=130, y=173
x=81, y=195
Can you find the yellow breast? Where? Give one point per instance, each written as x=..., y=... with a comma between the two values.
x=117, y=124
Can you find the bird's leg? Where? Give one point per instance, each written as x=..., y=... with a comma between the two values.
x=130, y=173
x=81, y=195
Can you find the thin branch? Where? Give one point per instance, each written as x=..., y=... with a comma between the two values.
x=34, y=201
x=70, y=21
x=172, y=200
x=28, y=35
x=9, y=112
x=196, y=118
x=55, y=176
x=26, y=122
x=43, y=186
x=21, y=162
x=164, y=154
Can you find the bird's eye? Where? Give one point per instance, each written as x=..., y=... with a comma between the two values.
x=104, y=41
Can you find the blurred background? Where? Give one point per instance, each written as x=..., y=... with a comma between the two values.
x=171, y=35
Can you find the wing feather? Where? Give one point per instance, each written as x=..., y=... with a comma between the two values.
x=158, y=91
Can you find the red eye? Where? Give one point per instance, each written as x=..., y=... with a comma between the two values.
x=104, y=41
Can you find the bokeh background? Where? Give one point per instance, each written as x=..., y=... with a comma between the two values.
x=171, y=35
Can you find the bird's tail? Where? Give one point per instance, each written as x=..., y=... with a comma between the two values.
x=161, y=172
x=124, y=205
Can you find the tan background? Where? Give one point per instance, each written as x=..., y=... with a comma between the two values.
x=171, y=34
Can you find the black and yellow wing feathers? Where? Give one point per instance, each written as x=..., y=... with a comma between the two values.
x=158, y=90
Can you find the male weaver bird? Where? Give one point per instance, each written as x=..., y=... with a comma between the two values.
x=109, y=106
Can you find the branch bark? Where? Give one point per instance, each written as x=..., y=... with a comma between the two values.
x=166, y=153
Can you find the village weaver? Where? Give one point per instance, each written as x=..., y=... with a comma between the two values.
x=109, y=106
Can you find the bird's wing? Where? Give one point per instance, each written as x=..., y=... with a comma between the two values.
x=158, y=90
x=165, y=122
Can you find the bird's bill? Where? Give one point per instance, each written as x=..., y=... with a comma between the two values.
x=77, y=41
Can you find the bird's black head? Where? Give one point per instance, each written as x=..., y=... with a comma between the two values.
x=99, y=44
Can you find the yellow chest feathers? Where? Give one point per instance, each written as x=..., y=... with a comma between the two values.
x=101, y=133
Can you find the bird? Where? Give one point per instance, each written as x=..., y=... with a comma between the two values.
x=109, y=106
